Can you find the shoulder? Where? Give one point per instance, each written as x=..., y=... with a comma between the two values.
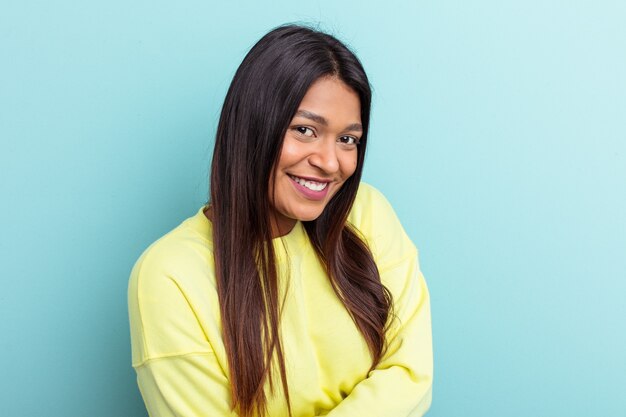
x=172, y=298
x=368, y=200
x=372, y=213
x=179, y=261
x=374, y=217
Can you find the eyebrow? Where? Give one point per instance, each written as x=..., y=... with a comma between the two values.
x=322, y=120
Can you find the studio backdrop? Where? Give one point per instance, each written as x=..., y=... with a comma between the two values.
x=498, y=134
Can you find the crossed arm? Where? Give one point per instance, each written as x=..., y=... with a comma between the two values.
x=194, y=384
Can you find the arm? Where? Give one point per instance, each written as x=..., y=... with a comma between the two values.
x=178, y=372
x=401, y=383
x=190, y=385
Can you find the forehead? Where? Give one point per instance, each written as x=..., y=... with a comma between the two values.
x=332, y=99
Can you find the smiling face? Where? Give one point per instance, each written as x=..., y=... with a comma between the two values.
x=318, y=155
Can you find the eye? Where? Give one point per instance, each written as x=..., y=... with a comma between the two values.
x=349, y=140
x=305, y=131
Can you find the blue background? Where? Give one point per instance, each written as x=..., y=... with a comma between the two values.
x=498, y=133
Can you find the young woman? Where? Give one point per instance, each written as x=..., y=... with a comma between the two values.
x=295, y=291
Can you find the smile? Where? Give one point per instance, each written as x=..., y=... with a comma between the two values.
x=311, y=185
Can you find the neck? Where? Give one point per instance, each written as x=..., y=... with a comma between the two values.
x=281, y=227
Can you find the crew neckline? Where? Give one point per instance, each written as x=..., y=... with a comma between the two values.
x=292, y=241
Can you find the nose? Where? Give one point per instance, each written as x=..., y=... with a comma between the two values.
x=324, y=156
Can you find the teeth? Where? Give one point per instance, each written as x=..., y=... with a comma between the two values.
x=311, y=185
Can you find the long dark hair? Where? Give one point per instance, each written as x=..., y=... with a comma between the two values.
x=262, y=99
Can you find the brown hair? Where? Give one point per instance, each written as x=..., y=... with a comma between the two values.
x=262, y=99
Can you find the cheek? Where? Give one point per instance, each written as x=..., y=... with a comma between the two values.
x=291, y=153
x=349, y=164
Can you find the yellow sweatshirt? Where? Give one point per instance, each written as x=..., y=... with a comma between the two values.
x=179, y=355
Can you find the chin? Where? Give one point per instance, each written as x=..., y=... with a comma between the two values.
x=310, y=217
x=307, y=216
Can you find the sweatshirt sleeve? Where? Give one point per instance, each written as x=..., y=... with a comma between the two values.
x=178, y=372
x=401, y=383
x=189, y=385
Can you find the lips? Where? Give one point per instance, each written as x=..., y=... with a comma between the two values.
x=313, y=185
x=310, y=189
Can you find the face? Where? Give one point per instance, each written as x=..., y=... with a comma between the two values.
x=319, y=153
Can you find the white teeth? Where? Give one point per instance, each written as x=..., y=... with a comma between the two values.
x=311, y=185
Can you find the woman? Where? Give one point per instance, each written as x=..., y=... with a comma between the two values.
x=295, y=291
